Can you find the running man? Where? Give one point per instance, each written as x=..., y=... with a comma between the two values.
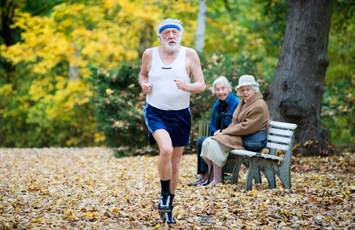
x=165, y=78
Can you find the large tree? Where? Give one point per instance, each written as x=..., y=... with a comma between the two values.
x=296, y=92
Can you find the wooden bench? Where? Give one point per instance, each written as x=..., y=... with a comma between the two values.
x=279, y=140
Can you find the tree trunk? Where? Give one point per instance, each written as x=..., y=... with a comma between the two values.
x=201, y=25
x=296, y=92
x=8, y=34
x=146, y=38
x=74, y=71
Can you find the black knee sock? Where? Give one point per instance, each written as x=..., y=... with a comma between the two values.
x=171, y=199
x=165, y=186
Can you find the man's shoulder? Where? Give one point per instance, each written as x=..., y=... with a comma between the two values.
x=190, y=50
x=192, y=54
x=148, y=53
x=149, y=50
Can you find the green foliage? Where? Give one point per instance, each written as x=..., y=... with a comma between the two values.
x=118, y=105
x=44, y=112
x=343, y=15
x=338, y=111
x=41, y=7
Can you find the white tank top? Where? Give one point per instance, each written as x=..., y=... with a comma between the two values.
x=165, y=95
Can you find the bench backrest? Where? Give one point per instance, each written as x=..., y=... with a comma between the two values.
x=280, y=137
x=203, y=129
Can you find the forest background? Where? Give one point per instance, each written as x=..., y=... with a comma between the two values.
x=69, y=75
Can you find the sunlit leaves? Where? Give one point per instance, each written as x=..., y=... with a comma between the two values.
x=42, y=47
x=89, y=189
x=102, y=35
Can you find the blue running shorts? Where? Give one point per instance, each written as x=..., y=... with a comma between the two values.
x=176, y=122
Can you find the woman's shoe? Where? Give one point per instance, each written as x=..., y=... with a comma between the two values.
x=200, y=181
x=209, y=184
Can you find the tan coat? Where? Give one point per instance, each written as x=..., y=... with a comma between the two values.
x=249, y=117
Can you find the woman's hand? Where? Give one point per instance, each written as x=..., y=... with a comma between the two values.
x=218, y=132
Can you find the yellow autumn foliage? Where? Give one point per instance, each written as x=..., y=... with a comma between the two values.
x=58, y=48
x=99, y=34
x=79, y=35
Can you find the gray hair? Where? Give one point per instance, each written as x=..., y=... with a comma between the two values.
x=174, y=21
x=251, y=86
x=219, y=80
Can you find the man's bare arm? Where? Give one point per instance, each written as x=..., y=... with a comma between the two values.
x=143, y=74
x=198, y=84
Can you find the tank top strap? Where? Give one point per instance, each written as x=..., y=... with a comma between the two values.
x=155, y=58
x=181, y=56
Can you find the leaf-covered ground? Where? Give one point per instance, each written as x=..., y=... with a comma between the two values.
x=62, y=188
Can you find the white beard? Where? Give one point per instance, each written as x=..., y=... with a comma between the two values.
x=170, y=48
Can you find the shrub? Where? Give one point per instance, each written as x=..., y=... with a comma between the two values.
x=118, y=106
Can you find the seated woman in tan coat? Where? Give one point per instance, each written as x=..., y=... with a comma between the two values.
x=251, y=116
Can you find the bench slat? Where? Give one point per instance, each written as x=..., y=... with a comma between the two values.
x=277, y=146
x=242, y=152
x=272, y=157
x=280, y=132
x=247, y=153
x=283, y=125
x=279, y=139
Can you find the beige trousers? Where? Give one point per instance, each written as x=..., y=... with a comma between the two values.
x=215, y=151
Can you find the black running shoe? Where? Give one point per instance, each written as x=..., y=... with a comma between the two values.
x=164, y=202
x=168, y=217
x=171, y=217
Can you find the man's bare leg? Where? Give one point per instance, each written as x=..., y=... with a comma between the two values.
x=163, y=140
x=175, y=163
x=169, y=168
x=162, y=137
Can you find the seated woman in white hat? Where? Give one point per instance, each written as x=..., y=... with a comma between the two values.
x=251, y=116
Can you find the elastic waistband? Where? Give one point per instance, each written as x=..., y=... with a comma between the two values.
x=167, y=111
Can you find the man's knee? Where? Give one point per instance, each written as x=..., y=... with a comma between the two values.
x=166, y=151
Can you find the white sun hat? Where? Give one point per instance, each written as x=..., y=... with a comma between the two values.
x=246, y=80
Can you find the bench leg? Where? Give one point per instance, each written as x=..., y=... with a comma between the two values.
x=256, y=176
x=270, y=176
x=250, y=175
x=283, y=172
x=285, y=178
x=236, y=169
